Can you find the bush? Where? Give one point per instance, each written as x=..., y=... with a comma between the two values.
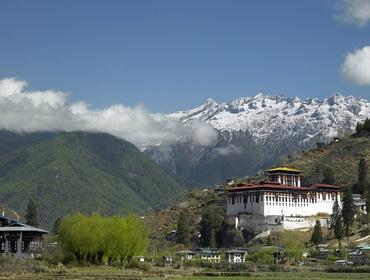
x=262, y=257
x=139, y=265
x=69, y=259
x=40, y=269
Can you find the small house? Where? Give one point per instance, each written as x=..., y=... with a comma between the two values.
x=209, y=255
x=140, y=259
x=235, y=255
x=359, y=202
x=361, y=255
x=186, y=254
x=323, y=251
x=20, y=240
x=279, y=255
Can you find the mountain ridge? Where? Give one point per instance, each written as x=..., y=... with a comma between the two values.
x=255, y=132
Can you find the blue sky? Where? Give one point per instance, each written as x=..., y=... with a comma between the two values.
x=172, y=55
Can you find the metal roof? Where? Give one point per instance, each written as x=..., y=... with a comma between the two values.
x=280, y=187
x=185, y=252
x=17, y=227
x=284, y=169
x=22, y=229
x=236, y=251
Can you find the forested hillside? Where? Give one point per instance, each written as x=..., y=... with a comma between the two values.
x=341, y=159
x=78, y=171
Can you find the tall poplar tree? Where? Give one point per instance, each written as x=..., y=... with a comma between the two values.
x=362, y=176
x=348, y=211
x=31, y=214
x=183, y=231
x=367, y=205
x=336, y=224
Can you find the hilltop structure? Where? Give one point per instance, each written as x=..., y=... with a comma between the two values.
x=281, y=202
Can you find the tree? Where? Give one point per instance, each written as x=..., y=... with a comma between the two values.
x=366, y=125
x=233, y=238
x=31, y=214
x=329, y=176
x=269, y=240
x=316, y=237
x=362, y=176
x=56, y=225
x=359, y=127
x=336, y=223
x=348, y=211
x=367, y=205
x=183, y=230
x=91, y=238
x=211, y=227
x=212, y=238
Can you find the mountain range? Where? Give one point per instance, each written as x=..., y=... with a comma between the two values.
x=256, y=132
x=66, y=172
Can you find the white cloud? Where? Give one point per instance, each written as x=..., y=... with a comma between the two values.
x=229, y=150
x=356, y=66
x=354, y=11
x=50, y=110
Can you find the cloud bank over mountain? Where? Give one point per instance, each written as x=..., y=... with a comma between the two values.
x=49, y=110
x=356, y=66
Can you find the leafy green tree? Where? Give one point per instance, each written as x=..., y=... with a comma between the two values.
x=362, y=176
x=348, y=212
x=31, y=214
x=317, y=237
x=336, y=223
x=329, y=176
x=91, y=238
x=183, y=230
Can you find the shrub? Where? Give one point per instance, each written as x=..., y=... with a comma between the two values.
x=69, y=259
x=139, y=265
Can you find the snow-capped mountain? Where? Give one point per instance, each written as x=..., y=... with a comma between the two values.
x=256, y=132
x=267, y=116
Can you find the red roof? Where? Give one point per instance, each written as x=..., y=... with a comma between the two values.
x=279, y=186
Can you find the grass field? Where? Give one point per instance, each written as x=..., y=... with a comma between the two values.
x=102, y=273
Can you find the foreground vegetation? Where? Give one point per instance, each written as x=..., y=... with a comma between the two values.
x=96, y=239
x=12, y=269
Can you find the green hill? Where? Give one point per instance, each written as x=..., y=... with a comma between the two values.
x=78, y=171
x=342, y=157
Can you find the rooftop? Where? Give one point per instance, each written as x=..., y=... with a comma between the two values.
x=284, y=169
x=233, y=251
x=11, y=225
x=280, y=187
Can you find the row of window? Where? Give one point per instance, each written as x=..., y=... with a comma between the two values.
x=287, y=199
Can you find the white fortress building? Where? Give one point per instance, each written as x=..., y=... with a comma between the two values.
x=281, y=202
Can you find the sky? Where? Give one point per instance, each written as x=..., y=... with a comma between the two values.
x=173, y=55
